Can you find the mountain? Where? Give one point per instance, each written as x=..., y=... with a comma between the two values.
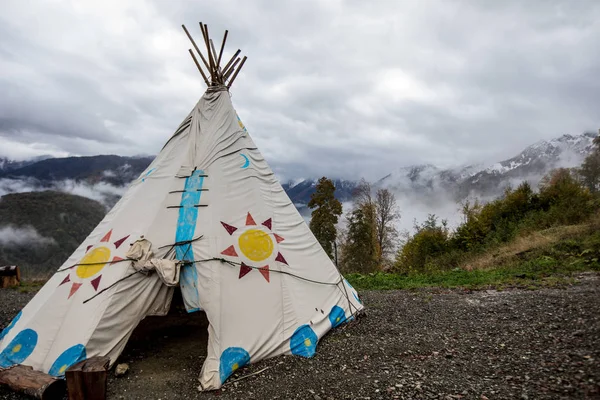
x=9, y=165
x=531, y=165
x=300, y=191
x=428, y=182
x=115, y=170
x=40, y=230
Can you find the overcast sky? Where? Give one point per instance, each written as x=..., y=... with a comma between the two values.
x=338, y=88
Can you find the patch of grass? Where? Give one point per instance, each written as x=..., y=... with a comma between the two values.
x=30, y=286
x=539, y=271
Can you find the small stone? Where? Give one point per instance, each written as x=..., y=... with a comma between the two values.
x=121, y=369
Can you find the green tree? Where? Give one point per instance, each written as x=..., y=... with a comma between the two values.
x=590, y=169
x=325, y=215
x=359, y=252
x=386, y=215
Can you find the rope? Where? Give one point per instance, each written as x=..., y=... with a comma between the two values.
x=181, y=243
x=96, y=263
x=111, y=285
x=232, y=263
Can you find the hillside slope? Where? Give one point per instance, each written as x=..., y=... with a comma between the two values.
x=40, y=230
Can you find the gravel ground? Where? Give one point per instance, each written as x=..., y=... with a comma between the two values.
x=431, y=344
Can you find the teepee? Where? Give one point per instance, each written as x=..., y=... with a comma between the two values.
x=208, y=215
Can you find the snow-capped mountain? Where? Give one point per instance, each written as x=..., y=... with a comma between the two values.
x=424, y=181
x=531, y=164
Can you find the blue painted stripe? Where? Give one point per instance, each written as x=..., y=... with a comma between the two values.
x=186, y=226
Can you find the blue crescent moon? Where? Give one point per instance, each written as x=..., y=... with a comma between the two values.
x=247, y=163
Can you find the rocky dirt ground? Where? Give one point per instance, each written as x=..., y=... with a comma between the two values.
x=431, y=344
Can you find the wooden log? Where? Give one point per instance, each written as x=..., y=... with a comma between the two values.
x=23, y=379
x=87, y=379
x=10, y=276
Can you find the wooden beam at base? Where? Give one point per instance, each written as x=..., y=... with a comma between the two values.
x=87, y=379
x=23, y=379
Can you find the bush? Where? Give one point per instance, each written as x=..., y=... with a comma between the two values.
x=430, y=240
x=562, y=200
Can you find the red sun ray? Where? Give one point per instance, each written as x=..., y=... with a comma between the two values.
x=89, y=247
x=230, y=229
x=74, y=289
x=230, y=251
x=267, y=223
x=250, y=220
x=280, y=258
x=265, y=272
x=115, y=259
x=95, y=282
x=278, y=238
x=120, y=241
x=106, y=237
x=67, y=279
x=244, y=269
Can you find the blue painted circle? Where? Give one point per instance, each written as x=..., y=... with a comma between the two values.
x=10, y=326
x=70, y=356
x=19, y=348
x=337, y=316
x=232, y=359
x=304, y=342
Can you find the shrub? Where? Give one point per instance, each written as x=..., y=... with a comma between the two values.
x=429, y=241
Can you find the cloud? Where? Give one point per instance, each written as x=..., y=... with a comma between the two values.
x=18, y=185
x=343, y=89
x=102, y=192
x=25, y=235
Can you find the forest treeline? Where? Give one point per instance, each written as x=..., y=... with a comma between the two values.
x=370, y=242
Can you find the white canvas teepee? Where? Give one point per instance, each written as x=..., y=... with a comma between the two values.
x=247, y=257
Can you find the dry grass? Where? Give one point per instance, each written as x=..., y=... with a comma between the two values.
x=523, y=244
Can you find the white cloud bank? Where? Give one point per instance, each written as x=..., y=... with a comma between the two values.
x=19, y=236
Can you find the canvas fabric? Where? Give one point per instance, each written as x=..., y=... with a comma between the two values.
x=248, y=259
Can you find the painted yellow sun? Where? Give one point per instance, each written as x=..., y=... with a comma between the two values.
x=256, y=243
x=92, y=263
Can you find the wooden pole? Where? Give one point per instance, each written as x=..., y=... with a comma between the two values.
x=195, y=46
x=210, y=57
x=231, y=69
x=217, y=70
x=237, y=72
x=222, y=48
x=232, y=59
x=199, y=68
x=24, y=379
